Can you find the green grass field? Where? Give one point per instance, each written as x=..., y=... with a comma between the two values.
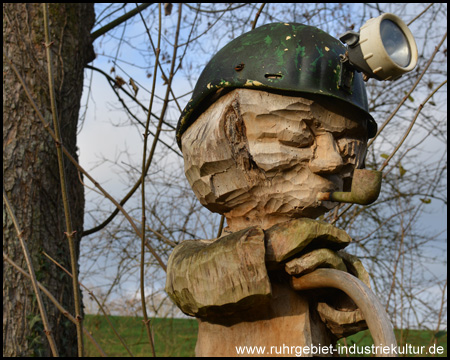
x=177, y=337
x=173, y=337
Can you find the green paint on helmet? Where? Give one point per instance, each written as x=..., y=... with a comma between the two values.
x=291, y=59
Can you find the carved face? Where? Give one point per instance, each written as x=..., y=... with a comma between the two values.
x=261, y=158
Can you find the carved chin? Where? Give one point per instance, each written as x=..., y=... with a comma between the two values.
x=259, y=202
x=314, y=210
x=296, y=207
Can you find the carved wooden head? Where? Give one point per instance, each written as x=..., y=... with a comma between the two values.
x=260, y=158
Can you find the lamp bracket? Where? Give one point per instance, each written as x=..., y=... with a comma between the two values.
x=346, y=75
x=350, y=38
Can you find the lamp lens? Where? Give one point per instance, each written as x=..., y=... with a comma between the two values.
x=395, y=43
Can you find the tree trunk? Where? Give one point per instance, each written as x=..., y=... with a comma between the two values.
x=30, y=168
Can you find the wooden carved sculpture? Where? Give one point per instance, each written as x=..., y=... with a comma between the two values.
x=264, y=159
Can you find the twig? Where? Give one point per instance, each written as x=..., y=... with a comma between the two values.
x=257, y=15
x=215, y=11
x=56, y=303
x=144, y=168
x=410, y=127
x=118, y=21
x=77, y=165
x=418, y=16
x=222, y=220
x=408, y=94
x=26, y=253
x=96, y=300
x=396, y=262
x=69, y=233
x=158, y=234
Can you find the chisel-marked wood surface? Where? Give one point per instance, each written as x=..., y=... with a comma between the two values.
x=379, y=325
x=219, y=278
x=262, y=158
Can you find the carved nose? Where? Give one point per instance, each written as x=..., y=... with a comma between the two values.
x=327, y=158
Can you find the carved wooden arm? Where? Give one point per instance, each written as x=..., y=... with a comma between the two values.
x=379, y=325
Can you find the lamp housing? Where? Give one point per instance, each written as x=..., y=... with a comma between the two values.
x=384, y=49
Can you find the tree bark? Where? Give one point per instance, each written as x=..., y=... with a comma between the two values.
x=30, y=167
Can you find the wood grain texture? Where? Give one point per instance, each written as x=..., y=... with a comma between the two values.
x=290, y=238
x=379, y=324
x=286, y=321
x=219, y=278
x=261, y=158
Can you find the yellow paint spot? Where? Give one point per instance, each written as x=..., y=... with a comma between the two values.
x=288, y=37
x=209, y=86
x=286, y=24
x=327, y=48
x=286, y=49
x=252, y=83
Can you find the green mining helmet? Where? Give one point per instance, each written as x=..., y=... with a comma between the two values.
x=291, y=59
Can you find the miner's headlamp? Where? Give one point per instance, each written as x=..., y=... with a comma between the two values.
x=384, y=49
